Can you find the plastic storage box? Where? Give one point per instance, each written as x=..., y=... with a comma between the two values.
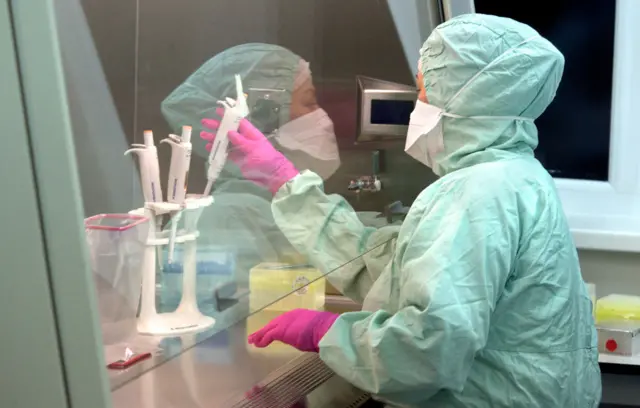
x=622, y=338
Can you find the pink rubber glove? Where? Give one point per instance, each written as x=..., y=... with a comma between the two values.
x=258, y=160
x=300, y=328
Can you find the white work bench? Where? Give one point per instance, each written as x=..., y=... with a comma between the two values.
x=623, y=360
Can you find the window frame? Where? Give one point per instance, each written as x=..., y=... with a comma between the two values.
x=605, y=215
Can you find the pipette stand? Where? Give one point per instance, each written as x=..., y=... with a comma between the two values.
x=187, y=318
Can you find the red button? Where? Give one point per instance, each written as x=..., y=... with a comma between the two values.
x=611, y=345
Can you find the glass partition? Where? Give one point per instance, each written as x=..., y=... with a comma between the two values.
x=186, y=246
x=218, y=366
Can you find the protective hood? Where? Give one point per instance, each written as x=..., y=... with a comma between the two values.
x=259, y=65
x=521, y=77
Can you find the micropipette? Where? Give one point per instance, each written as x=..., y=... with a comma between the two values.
x=172, y=235
x=234, y=112
x=178, y=175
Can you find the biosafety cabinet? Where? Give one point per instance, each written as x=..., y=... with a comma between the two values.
x=121, y=260
x=119, y=290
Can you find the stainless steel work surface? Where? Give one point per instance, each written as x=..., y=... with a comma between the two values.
x=201, y=376
x=223, y=369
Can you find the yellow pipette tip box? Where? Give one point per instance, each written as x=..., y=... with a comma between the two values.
x=281, y=287
x=617, y=308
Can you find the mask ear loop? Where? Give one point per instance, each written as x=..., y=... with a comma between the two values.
x=495, y=61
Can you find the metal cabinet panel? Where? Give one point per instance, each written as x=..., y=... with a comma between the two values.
x=49, y=303
x=29, y=349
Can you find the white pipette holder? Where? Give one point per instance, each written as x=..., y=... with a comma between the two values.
x=187, y=318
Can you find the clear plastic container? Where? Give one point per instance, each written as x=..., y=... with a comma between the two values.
x=116, y=246
x=281, y=287
x=214, y=265
x=616, y=307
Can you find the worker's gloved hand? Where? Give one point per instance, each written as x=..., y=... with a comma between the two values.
x=258, y=160
x=300, y=328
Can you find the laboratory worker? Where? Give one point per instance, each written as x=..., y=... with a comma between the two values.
x=479, y=300
x=283, y=105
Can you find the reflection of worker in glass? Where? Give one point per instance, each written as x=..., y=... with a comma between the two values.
x=283, y=105
x=479, y=300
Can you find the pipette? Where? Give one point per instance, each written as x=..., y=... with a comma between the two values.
x=178, y=175
x=172, y=235
x=234, y=112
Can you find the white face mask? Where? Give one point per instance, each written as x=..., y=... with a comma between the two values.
x=425, y=138
x=312, y=134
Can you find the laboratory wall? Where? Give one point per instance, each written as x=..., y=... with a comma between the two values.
x=340, y=39
x=113, y=29
x=612, y=272
x=98, y=46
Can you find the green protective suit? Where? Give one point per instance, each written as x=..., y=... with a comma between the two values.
x=477, y=300
x=240, y=219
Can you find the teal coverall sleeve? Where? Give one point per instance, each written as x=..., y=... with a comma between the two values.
x=448, y=274
x=326, y=229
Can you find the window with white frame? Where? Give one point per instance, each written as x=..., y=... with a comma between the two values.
x=574, y=131
x=589, y=137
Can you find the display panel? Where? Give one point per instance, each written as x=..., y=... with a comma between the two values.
x=389, y=112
